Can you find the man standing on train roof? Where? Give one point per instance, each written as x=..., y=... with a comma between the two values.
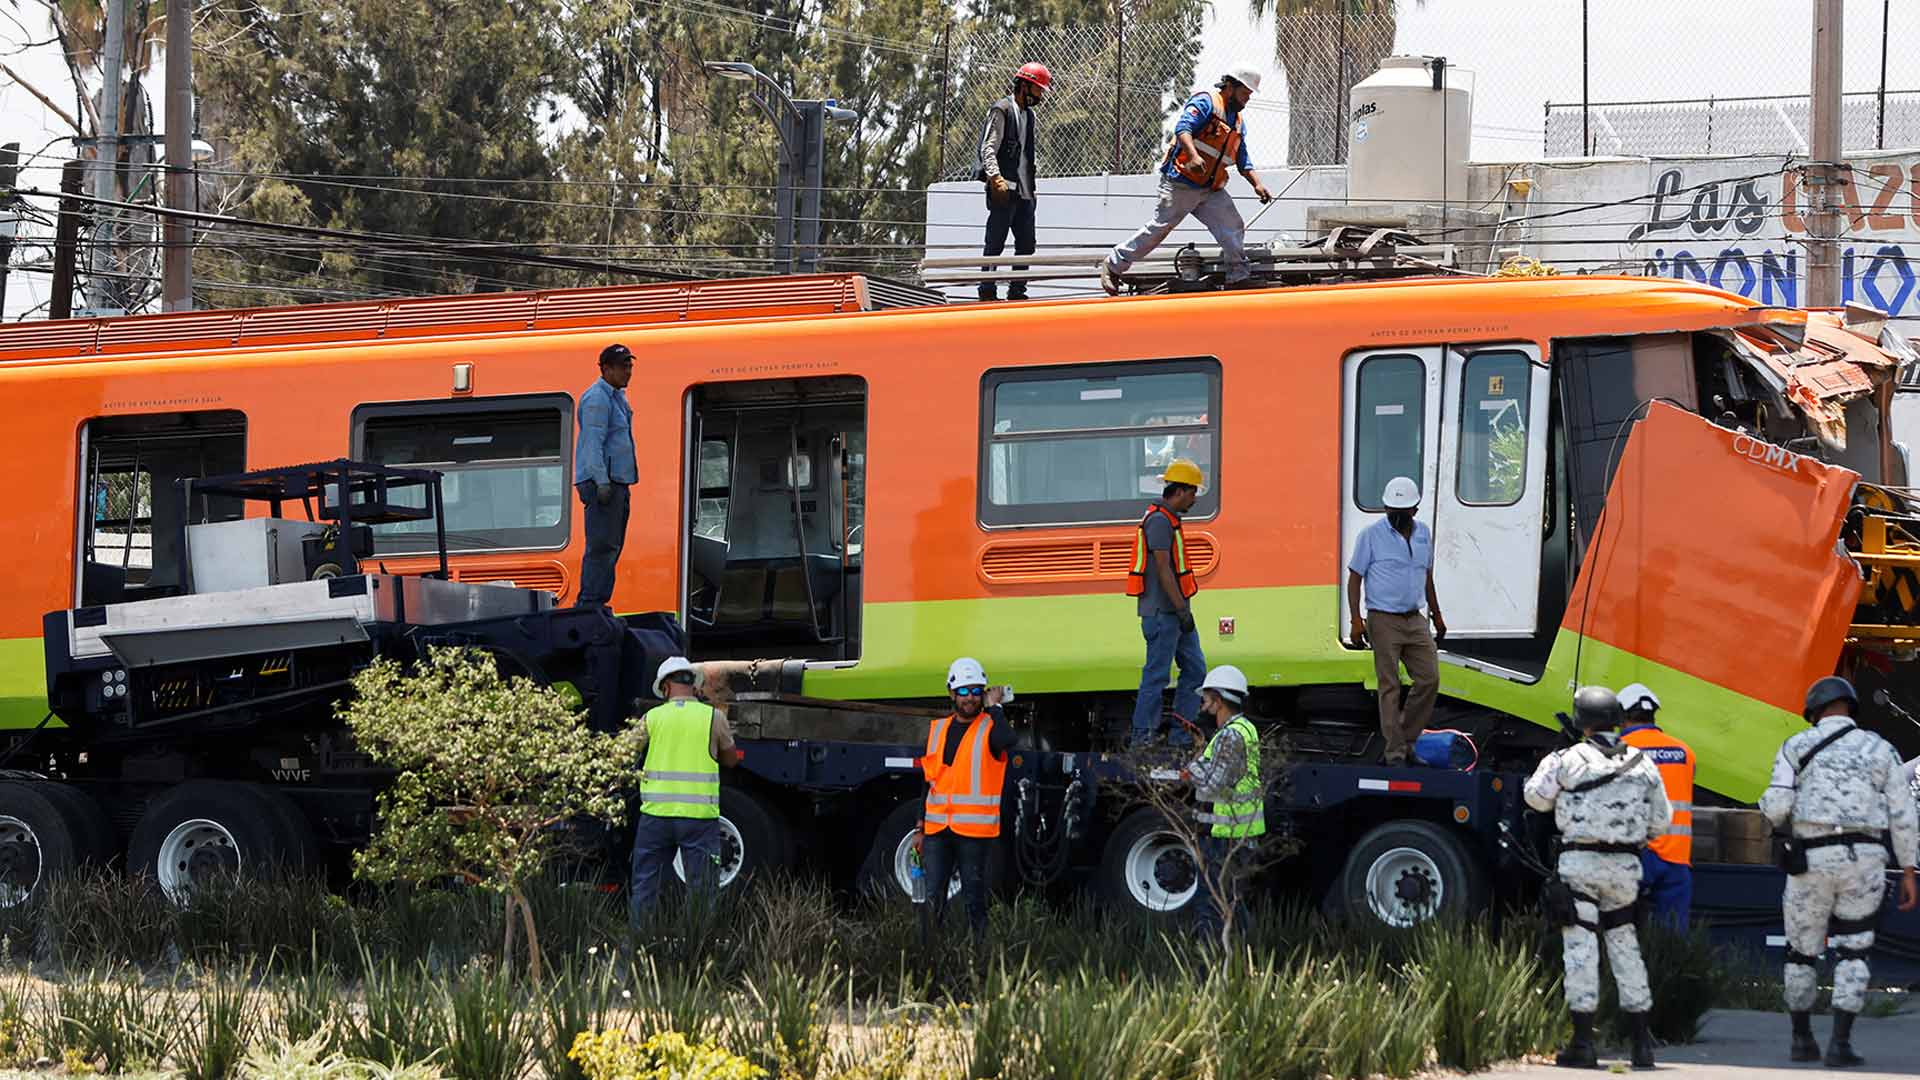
x=1394, y=560
x=1666, y=867
x=966, y=769
x=1007, y=165
x=1210, y=134
x=1162, y=580
x=604, y=471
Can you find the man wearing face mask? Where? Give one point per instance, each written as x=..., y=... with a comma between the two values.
x=966, y=767
x=1393, y=559
x=1227, y=776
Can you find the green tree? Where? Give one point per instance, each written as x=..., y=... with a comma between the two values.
x=489, y=768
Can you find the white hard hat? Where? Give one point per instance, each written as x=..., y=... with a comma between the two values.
x=1227, y=680
x=1636, y=695
x=672, y=665
x=1246, y=75
x=966, y=671
x=1401, y=494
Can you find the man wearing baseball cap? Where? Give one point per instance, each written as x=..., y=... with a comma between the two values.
x=604, y=470
x=1666, y=866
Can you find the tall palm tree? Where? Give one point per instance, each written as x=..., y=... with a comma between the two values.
x=1324, y=47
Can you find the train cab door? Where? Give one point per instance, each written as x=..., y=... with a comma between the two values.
x=1468, y=426
x=774, y=527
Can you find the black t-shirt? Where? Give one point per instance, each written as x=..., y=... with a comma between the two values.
x=999, y=738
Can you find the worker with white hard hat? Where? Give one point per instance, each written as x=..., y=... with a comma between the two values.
x=1209, y=138
x=1666, y=866
x=1227, y=776
x=683, y=743
x=1393, y=561
x=966, y=768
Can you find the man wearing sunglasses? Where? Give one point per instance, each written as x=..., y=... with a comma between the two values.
x=966, y=767
x=603, y=471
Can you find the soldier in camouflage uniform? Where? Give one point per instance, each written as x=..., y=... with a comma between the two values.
x=1847, y=793
x=1607, y=800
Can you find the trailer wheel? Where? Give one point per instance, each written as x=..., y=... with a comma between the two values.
x=752, y=840
x=36, y=842
x=886, y=871
x=1406, y=872
x=94, y=841
x=206, y=829
x=1146, y=867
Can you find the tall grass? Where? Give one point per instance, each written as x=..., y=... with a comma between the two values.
x=217, y=1028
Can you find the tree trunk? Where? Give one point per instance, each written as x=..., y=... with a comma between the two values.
x=1307, y=47
x=533, y=937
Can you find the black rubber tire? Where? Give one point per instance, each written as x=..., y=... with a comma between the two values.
x=95, y=841
x=1114, y=887
x=766, y=844
x=876, y=876
x=45, y=818
x=1462, y=883
x=259, y=819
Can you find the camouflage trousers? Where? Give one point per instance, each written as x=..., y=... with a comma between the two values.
x=1840, y=883
x=1600, y=882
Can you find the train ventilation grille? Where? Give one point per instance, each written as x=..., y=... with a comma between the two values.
x=550, y=576
x=1081, y=559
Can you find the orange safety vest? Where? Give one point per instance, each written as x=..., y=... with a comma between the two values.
x=1675, y=761
x=1219, y=144
x=964, y=796
x=1182, y=573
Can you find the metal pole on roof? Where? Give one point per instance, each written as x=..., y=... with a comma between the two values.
x=1824, y=172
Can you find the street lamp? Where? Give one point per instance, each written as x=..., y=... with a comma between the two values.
x=802, y=130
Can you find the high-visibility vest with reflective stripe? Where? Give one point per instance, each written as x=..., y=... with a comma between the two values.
x=964, y=796
x=680, y=779
x=1219, y=144
x=1675, y=761
x=1182, y=573
x=1245, y=813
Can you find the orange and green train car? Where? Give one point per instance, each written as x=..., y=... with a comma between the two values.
x=867, y=492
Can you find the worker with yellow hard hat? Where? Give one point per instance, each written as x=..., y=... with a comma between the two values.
x=1162, y=580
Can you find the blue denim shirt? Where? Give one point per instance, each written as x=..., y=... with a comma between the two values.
x=603, y=445
x=1193, y=117
x=1393, y=568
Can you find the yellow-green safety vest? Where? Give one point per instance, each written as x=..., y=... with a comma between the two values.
x=1245, y=814
x=680, y=779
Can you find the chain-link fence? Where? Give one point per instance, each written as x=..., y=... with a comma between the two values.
x=1869, y=120
x=1114, y=86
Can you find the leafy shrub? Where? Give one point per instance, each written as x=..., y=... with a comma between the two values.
x=668, y=1055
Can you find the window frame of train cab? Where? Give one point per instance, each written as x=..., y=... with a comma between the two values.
x=536, y=537
x=1370, y=502
x=994, y=515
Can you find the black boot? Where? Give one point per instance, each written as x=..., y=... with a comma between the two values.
x=1804, y=1046
x=1579, y=1053
x=1642, y=1041
x=1840, y=1053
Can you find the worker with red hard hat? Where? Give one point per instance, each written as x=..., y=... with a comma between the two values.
x=1007, y=164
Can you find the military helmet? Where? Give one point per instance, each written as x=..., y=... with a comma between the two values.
x=1825, y=692
x=1595, y=708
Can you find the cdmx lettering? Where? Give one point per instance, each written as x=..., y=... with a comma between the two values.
x=1765, y=453
x=1883, y=276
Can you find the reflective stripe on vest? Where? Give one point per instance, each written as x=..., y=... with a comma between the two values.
x=1675, y=762
x=1218, y=143
x=966, y=800
x=1182, y=573
x=680, y=779
x=1245, y=814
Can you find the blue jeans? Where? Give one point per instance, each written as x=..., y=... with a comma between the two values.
x=1166, y=646
x=606, y=529
x=1669, y=886
x=655, y=842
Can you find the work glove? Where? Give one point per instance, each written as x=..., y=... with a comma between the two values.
x=603, y=493
x=999, y=192
x=1185, y=616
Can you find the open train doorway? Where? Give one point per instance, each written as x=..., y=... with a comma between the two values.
x=775, y=525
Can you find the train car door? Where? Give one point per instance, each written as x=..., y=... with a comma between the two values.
x=1391, y=428
x=1490, y=491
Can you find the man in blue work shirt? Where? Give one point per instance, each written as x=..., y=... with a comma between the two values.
x=604, y=471
x=1394, y=559
x=1193, y=178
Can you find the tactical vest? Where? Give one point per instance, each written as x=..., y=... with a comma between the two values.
x=1245, y=813
x=680, y=779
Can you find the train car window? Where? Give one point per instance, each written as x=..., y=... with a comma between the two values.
x=1087, y=444
x=131, y=502
x=505, y=466
x=1389, y=425
x=716, y=489
x=1493, y=428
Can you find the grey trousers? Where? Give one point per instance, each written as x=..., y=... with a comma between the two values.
x=1214, y=209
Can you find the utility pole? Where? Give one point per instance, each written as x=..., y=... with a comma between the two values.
x=106, y=164
x=1824, y=171
x=9, y=216
x=176, y=276
x=66, y=241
